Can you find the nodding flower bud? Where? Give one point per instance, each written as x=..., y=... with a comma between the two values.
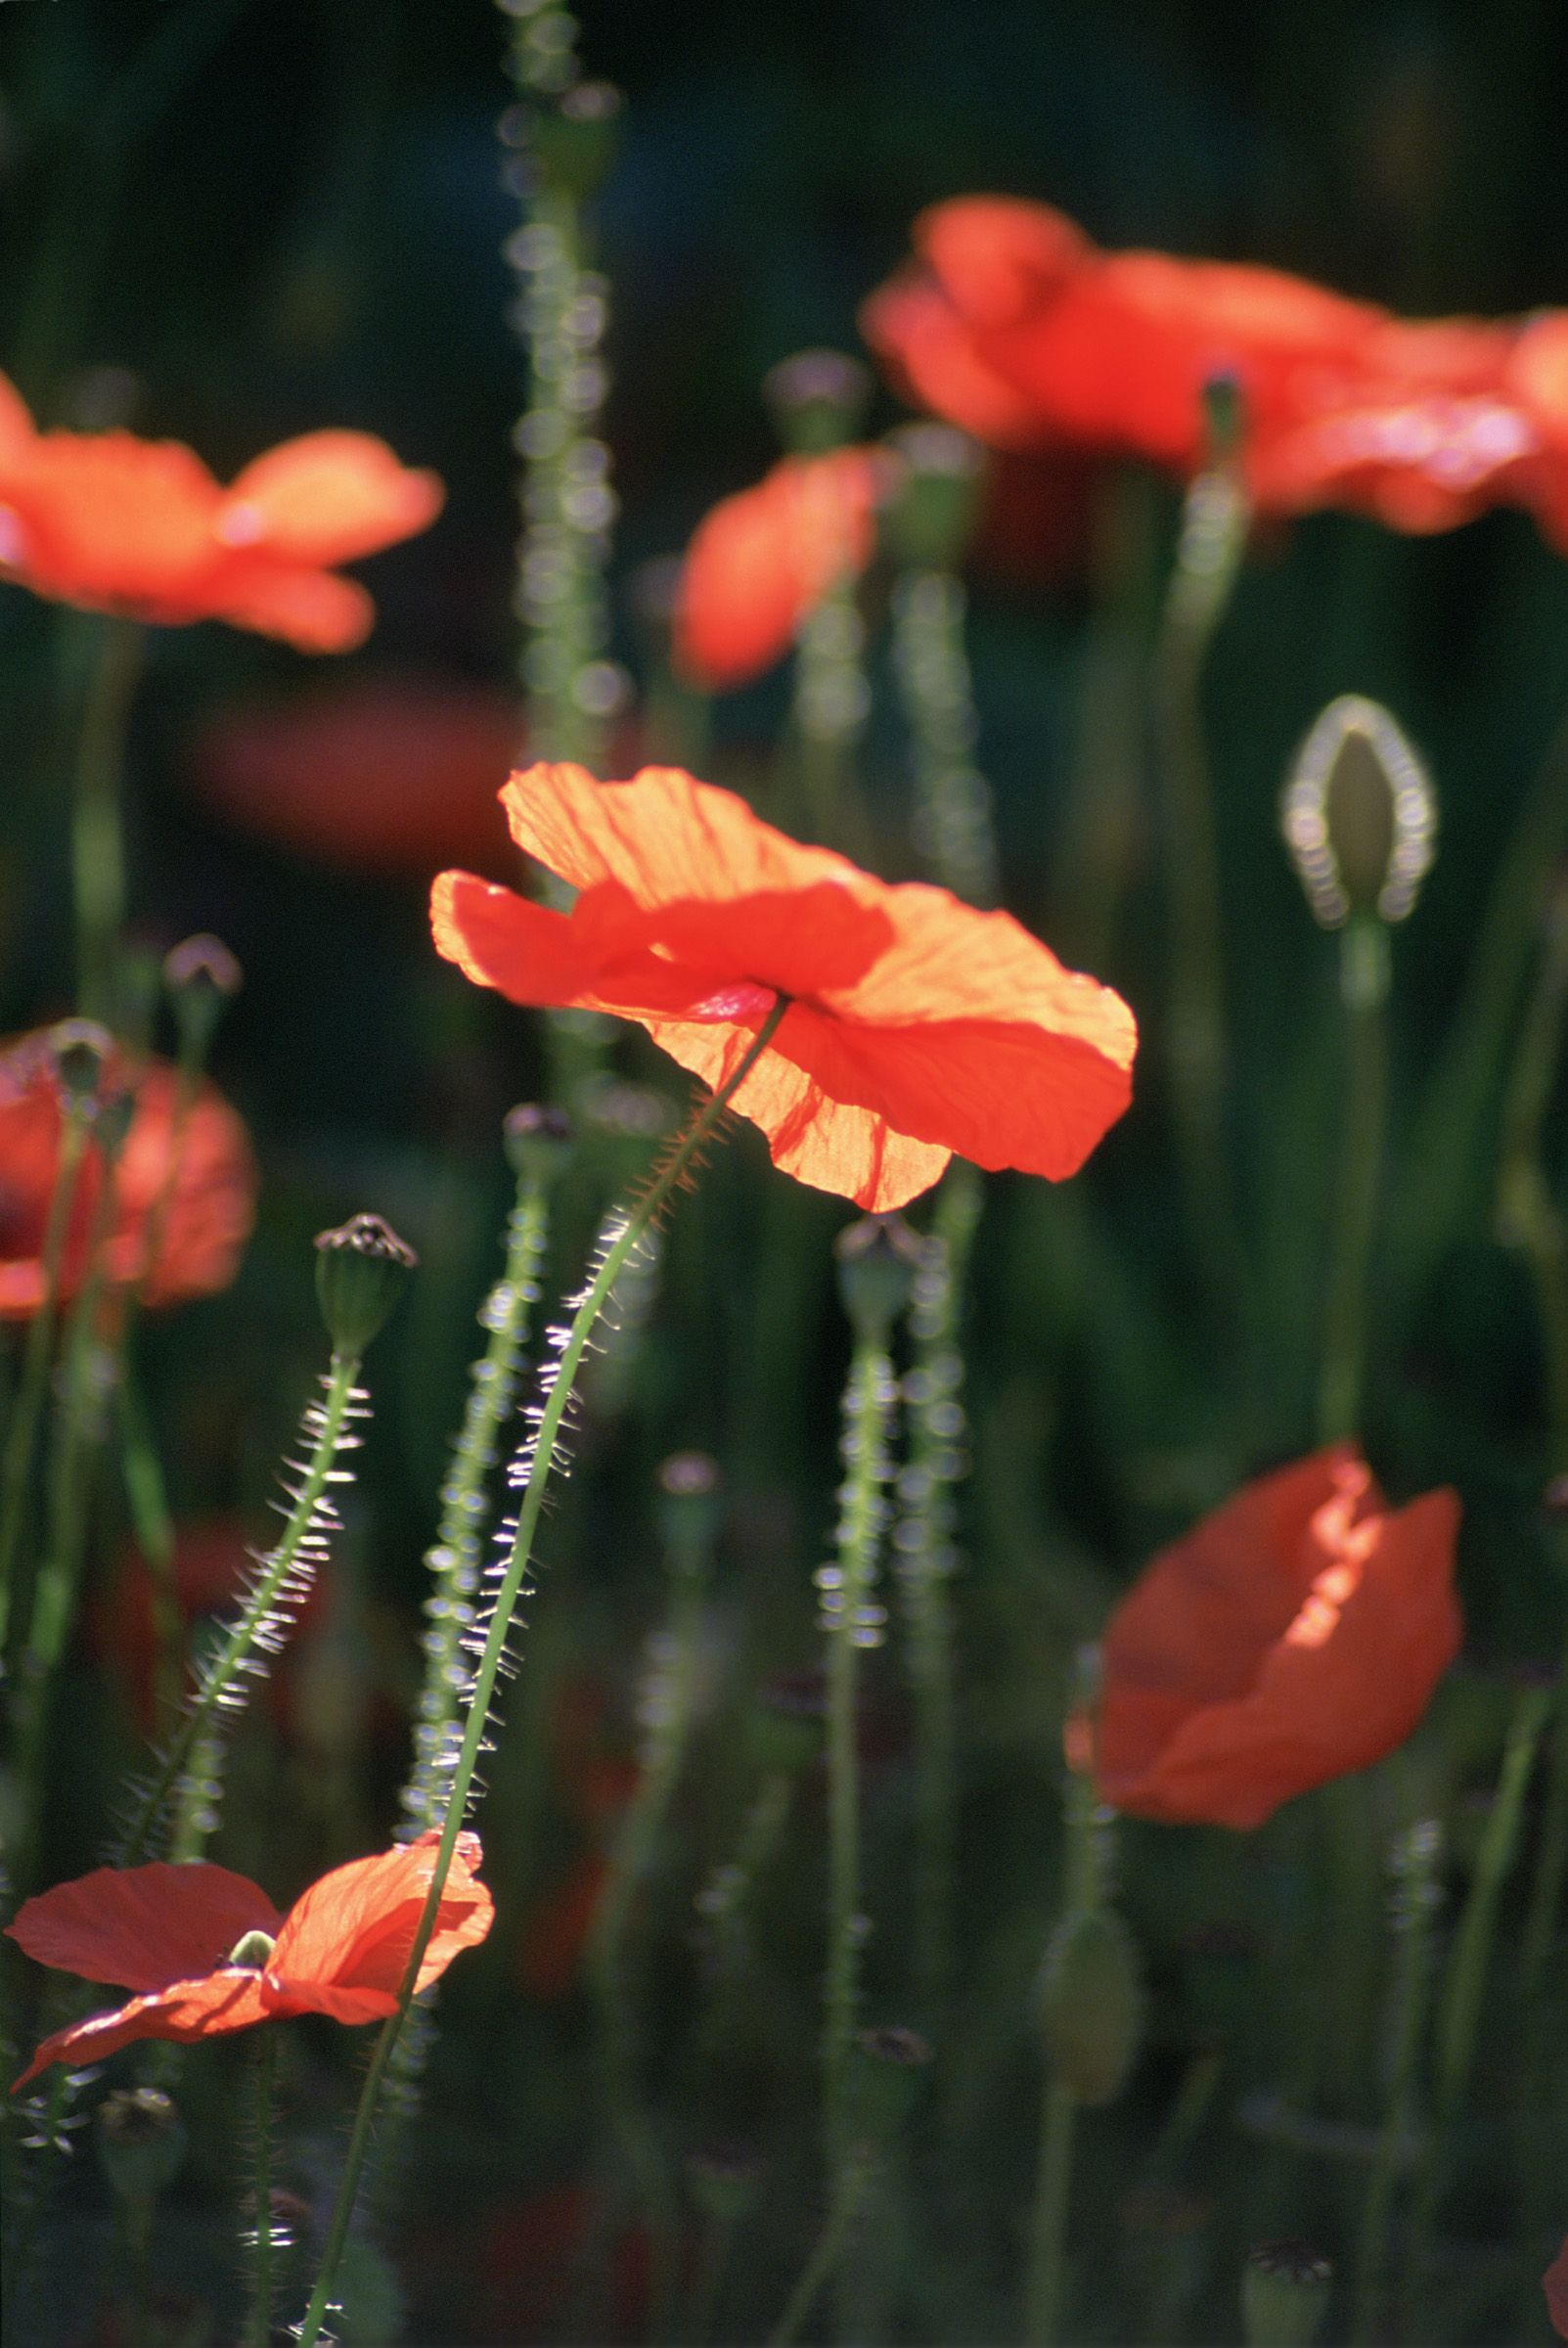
x=80, y=1050
x=1284, y=2295
x=928, y=518
x=878, y=1260
x=817, y=399
x=360, y=1271
x=724, y=2180
x=200, y=976
x=538, y=1141
x=1359, y=815
x=1090, y=2003
x=252, y=1948
x=141, y=2141
x=574, y=143
x=690, y=1487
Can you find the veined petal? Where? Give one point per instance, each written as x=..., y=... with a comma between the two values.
x=142, y=1927
x=328, y=497
x=354, y=1929
x=230, y=1998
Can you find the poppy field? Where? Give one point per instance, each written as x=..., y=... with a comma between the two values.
x=783, y=1175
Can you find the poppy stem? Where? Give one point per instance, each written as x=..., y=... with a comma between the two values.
x=259, y=2330
x=1058, y=2112
x=96, y=839
x=33, y=1386
x=1363, y=987
x=627, y=1231
x=831, y=703
x=827, y=2256
x=1413, y=1865
x=952, y=822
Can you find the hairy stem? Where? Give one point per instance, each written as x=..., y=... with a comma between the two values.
x=97, y=846
x=1363, y=992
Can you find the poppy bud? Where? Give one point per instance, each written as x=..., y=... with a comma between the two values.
x=690, y=1489
x=1284, y=2295
x=817, y=399
x=724, y=2180
x=1358, y=815
x=538, y=1142
x=892, y=2064
x=80, y=1048
x=1090, y=2003
x=877, y=1259
x=200, y=976
x=574, y=143
x=929, y=518
x=360, y=1271
x=141, y=2141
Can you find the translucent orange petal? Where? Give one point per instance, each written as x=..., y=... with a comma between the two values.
x=184, y=2011
x=314, y=610
x=17, y=433
x=142, y=1927
x=327, y=498
x=929, y=348
x=761, y=560
x=354, y=1929
x=998, y=257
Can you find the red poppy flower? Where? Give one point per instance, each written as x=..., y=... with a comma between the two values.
x=1293, y=1636
x=1537, y=377
x=115, y=523
x=206, y=1214
x=556, y=1936
x=168, y=1932
x=917, y=1026
x=760, y=560
x=1554, y=2282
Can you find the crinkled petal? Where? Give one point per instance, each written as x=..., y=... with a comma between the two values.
x=186, y=2010
x=312, y=609
x=142, y=1927
x=327, y=498
x=354, y=1929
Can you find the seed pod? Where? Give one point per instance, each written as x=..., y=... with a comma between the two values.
x=141, y=2141
x=819, y=400
x=1358, y=815
x=724, y=2179
x=1092, y=2004
x=80, y=1050
x=538, y=1141
x=691, y=1505
x=360, y=1271
x=929, y=516
x=878, y=1260
x=200, y=975
x=1284, y=2295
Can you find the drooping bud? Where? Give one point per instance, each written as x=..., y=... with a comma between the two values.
x=1357, y=814
x=817, y=400
x=1090, y=2003
x=691, y=1487
x=878, y=1260
x=1284, y=2295
x=929, y=518
x=574, y=143
x=80, y=1051
x=538, y=1141
x=252, y=1948
x=141, y=2141
x=724, y=2179
x=201, y=976
x=361, y=1269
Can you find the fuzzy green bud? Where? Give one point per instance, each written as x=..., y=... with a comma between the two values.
x=252, y=1948
x=928, y=519
x=141, y=2141
x=1359, y=815
x=878, y=1260
x=1092, y=2004
x=817, y=400
x=538, y=1142
x=1284, y=2295
x=361, y=1269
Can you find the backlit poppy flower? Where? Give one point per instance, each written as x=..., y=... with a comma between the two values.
x=185, y=1939
x=114, y=523
x=761, y=560
x=1554, y=2282
x=916, y=1027
x=204, y=1213
x=1293, y=1636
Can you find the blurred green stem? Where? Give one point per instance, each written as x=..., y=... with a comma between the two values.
x=259, y=2330
x=1364, y=987
x=1416, y=1892
x=97, y=842
x=1058, y=2109
x=32, y=1386
x=952, y=823
x=826, y=2258
x=625, y=1237
x=830, y=701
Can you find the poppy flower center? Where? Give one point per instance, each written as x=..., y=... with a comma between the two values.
x=252, y=1950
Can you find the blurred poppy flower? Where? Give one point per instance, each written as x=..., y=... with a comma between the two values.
x=1292, y=1637
x=1554, y=2282
x=917, y=1026
x=761, y=560
x=194, y=1177
x=206, y=1952
x=1537, y=377
x=114, y=523
x=557, y=1934
x=534, y=2254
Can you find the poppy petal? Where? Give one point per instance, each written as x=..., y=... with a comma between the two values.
x=230, y=1998
x=314, y=610
x=328, y=497
x=354, y=1929
x=1554, y=2282
x=142, y=1927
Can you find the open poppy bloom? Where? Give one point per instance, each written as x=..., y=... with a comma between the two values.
x=206, y=1952
x=1292, y=1637
x=763, y=558
x=114, y=523
x=915, y=1026
x=187, y=1185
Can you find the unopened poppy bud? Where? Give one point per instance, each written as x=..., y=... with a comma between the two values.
x=690, y=1512
x=538, y=1141
x=892, y=2066
x=1090, y=2003
x=141, y=2141
x=724, y=2180
x=360, y=1271
x=1359, y=815
x=929, y=518
x=817, y=399
x=878, y=1260
x=574, y=143
x=1284, y=2295
x=201, y=976
x=80, y=1051
x=252, y=1948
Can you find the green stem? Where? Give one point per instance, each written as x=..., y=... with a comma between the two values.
x=98, y=848
x=628, y=1231
x=1416, y=1892
x=1363, y=991
x=1048, y=2233
x=33, y=1384
x=826, y=2257
x=259, y=2330
x=328, y=1423
x=153, y=1526
x=830, y=701
x=952, y=825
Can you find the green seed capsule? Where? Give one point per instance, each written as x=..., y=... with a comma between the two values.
x=1284, y=2295
x=360, y=1271
x=1092, y=2004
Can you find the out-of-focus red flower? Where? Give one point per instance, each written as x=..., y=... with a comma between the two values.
x=529, y=2260
x=210, y=1205
x=114, y=523
x=376, y=775
x=556, y=1931
x=1292, y=1637
x=169, y=1933
x=761, y=560
x=1554, y=2282
x=916, y=1027
x=1537, y=377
